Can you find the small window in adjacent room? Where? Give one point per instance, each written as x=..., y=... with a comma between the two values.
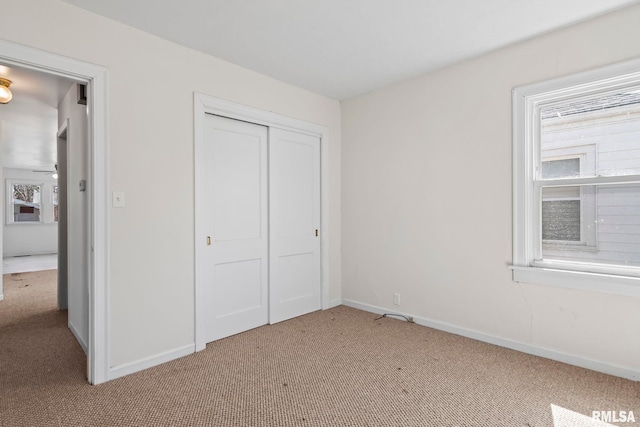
x=577, y=178
x=54, y=199
x=26, y=202
x=561, y=206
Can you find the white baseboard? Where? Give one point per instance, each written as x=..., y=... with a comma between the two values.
x=150, y=362
x=75, y=333
x=594, y=365
x=333, y=303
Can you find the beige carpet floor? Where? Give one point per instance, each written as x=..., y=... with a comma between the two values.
x=339, y=367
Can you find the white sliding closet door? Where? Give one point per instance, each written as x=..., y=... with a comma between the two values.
x=294, y=205
x=235, y=212
x=259, y=220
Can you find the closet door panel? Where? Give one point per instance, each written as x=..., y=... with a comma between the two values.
x=294, y=245
x=236, y=221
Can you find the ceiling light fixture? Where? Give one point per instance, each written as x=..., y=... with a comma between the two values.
x=5, y=92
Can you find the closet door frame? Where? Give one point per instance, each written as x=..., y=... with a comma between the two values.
x=206, y=104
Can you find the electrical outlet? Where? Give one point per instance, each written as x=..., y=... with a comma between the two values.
x=396, y=299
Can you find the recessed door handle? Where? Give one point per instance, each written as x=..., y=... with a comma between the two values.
x=208, y=240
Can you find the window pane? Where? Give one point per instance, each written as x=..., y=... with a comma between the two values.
x=54, y=198
x=561, y=220
x=606, y=127
x=606, y=218
x=26, y=203
x=564, y=168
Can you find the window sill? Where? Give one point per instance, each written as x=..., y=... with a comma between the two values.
x=597, y=282
x=577, y=247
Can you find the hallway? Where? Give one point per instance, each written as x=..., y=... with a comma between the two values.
x=38, y=349
x=23, y=264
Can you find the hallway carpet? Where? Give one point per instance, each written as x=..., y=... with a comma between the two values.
x=339, y=367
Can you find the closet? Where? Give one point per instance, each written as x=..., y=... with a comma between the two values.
x=259, y=219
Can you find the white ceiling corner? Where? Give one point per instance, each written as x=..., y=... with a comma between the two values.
x=340, y=48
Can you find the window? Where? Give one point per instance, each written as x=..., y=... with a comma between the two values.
x=560, y=206
x=26, y=202
x=54, y=199
x=30, y=202
x=577, y=179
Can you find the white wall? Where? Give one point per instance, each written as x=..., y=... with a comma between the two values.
x=77, y=257
x=427, y=202
x=150, y=126
x=30, y=239
x=1, y=229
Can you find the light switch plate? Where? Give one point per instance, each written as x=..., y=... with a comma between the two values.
x=118, y=199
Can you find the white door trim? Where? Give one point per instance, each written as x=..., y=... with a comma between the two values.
x=206, y=104
x=96, y=78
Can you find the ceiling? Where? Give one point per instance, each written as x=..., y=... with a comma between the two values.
x=30, y=120
x=343, y=48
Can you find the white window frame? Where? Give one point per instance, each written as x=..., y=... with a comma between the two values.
x=528, y=265
x=9, y=214
x=54, y=204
